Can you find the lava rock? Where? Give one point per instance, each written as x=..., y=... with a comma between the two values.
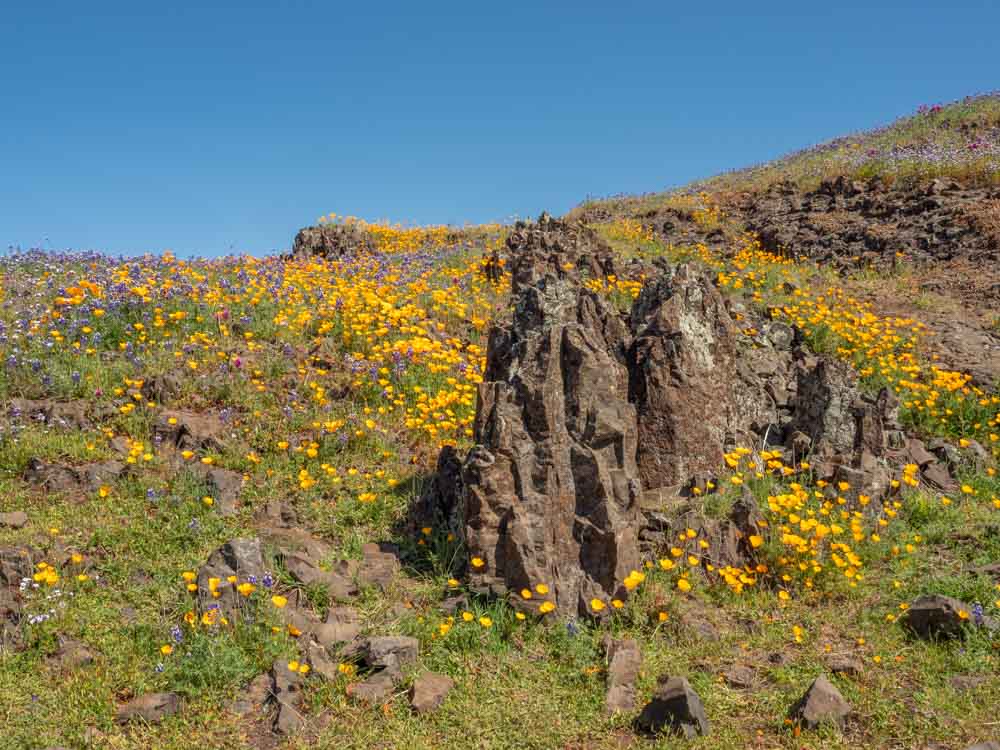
x=822, y=703
x=675, y=707
x=937, y=616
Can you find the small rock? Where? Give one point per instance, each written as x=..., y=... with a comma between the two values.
x=845, y=664
x=675, y=706
x=429, y=691
x=285, y=688
x=378, y=566
x=391, y=652
x=342, y=625
x=965, y=682
x=151, y=708
x=73, y=654
x=822, y=703
x=739, y=677
x=320, y=662
x=937, y=616
x=254, y=697
x=14, y=520
x=624, y=663
x=375, y=689
x=988, y=745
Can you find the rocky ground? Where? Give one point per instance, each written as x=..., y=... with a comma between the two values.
x=684, y=477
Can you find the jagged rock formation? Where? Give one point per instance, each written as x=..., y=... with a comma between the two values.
x=594, y=427
x=685, y=378
x=332, y=241
x=551, y=487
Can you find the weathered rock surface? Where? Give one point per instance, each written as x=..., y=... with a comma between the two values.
x=333, y=241
x=675, y=707
x=66, y=414
x=551, y=486
x=56, y=477
x=693, y=396
x=242, y=558
x=254, y=697
x=624, y=663
x=429, y=691
x=822, y=703
x=187, y=430
x=285, y=690
x=390, y=653
x=937, y=616
x=224, y=485
x=374, y=689
x=151, y=708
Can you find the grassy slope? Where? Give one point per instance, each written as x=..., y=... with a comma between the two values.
x=960, y=140
x=520, y=685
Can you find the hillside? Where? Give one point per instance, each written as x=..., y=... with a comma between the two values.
x=712, y=470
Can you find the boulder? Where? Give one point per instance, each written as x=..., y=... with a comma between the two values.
x=675, y=707
x=822, y=703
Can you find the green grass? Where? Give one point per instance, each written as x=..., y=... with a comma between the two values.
x=914, y=136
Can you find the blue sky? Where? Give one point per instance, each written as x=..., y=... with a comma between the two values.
x=207, y=127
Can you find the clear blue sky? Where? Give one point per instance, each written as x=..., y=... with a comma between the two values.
x=204, y=127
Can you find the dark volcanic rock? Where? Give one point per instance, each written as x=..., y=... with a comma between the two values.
x=676, y=707
x=375, y=689
x=692, y=395
x=937, y=616
x=238, y=557
x=186, y=430
x=333, y=241
x=822, y=703
x=68, y=414
x=390, y=652
x=224, y=485
x=286, y=687
x=63, y=478
x=551, y=486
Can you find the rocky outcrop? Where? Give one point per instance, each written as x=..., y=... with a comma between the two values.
x=551, y=486
x=332, y=241
x=692, y=395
